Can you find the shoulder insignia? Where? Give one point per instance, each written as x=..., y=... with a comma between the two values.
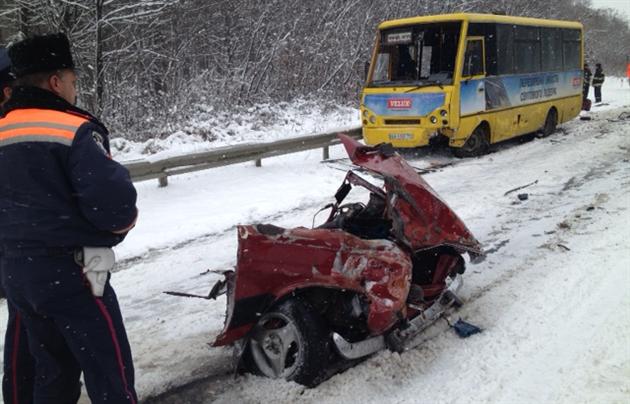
x=100, y=142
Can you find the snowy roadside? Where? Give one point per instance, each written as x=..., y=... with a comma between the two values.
x=261, y=123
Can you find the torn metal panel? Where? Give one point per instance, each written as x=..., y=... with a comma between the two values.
x=276, y=264
x=424, y=219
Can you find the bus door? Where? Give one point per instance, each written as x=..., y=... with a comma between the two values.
x=472, y=88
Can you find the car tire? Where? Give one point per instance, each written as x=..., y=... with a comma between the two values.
x=477, y=144
x=551, y=122
x=291, y=342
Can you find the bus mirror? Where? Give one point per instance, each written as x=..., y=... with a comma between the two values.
x=366, y=70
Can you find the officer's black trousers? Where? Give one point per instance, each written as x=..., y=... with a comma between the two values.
x=19, y=366
x=598, y=93
x=69, y=331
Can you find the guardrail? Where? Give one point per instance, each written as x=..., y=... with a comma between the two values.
x=162, y=169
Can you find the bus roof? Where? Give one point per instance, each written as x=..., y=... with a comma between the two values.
x=472, y=17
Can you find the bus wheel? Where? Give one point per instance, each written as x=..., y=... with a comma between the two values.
x=550, y=123
x=476, y=145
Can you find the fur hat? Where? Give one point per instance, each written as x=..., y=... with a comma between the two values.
x=41, y=54
x=5, y=69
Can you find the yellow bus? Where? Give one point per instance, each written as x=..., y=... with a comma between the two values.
x=475, y=79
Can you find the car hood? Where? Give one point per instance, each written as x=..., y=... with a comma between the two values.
x=420, y=218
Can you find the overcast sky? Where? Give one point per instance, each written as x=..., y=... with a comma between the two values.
x=622, y=5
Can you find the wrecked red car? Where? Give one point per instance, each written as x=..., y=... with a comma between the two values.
x=373, y=276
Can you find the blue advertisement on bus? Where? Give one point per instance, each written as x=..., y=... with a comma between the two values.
x=513, y=91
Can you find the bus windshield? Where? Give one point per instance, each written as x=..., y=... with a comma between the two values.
x=416, y=55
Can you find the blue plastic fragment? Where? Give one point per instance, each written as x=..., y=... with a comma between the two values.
x=464, y=329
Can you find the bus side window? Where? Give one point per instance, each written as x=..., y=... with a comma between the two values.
x=473, y=58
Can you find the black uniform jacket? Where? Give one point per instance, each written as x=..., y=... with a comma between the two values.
x=59, y=186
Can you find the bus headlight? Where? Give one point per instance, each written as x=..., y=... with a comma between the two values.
x=372, y=119
x=443, y=112
x=365, y=113
x=433, y=119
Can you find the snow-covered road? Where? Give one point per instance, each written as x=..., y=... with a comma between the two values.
x=552, y=295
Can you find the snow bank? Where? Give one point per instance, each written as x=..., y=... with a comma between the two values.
x=261, y=123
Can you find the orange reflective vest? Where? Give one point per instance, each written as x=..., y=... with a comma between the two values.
x=39, y=125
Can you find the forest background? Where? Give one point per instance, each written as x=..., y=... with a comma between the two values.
x=147, y=67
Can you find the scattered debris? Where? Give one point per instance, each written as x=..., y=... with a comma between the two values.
x=624, y=116
x=564, y=225
x=521, y=187
x=463, y=329
x=590, y=208
x=217, y=290
x=497, y=247
x=523, y=197
x=554, y=246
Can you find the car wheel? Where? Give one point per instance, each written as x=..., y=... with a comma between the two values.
x=476, y=145
x=290, y=342
x=551, y=122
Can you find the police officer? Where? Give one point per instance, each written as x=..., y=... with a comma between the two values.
x=63, y=203
x=19, y=367
x=586, y=82
x=598, y=80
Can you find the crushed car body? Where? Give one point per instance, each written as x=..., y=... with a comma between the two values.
x=373, y=275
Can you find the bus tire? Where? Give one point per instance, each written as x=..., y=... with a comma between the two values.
x=551, y=122
x=477, y=144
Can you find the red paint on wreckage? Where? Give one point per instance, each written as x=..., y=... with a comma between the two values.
x=274, y=262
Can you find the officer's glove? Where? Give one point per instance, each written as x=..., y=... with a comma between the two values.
x=97, y=263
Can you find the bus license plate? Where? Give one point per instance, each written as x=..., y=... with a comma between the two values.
x=400, y=136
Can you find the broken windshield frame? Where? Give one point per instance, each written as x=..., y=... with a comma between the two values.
x=418, y=55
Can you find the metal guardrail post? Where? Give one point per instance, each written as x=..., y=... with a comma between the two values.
x=326, y=154
x=163, y=181
x=258, y=162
